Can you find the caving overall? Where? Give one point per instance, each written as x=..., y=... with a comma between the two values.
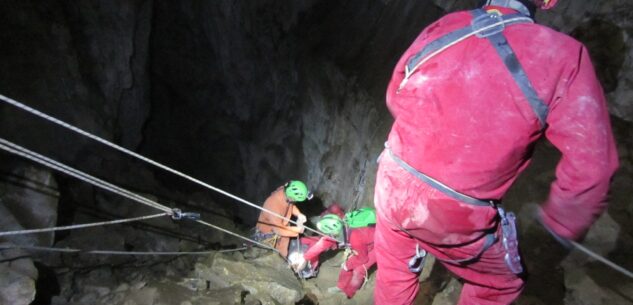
x=466, y=113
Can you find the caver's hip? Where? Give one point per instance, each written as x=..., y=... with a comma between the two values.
x=410, y=204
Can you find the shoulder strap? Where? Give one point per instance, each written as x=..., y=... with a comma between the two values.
x=500, y=43
x=488, y=26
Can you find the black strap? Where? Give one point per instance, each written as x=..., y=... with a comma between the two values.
x=490, y=26
x=509, y=58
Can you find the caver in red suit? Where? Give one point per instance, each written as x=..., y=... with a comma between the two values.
x=354, y=270
x=317, y=245
x=462, y=119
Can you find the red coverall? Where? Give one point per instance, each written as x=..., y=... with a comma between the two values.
x=462, y=120
x=317, y=245
x=352, y=277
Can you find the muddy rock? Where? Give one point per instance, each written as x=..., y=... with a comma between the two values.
x=17, y=280
x=267, y=277
x=450, y=294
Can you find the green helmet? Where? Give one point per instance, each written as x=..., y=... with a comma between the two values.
x=362, y=217
x=297, y=191
x=330, y=224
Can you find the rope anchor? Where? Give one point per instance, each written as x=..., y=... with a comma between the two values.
x=179, y=214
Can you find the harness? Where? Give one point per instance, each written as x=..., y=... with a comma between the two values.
x=489, y=26
x=269, y=239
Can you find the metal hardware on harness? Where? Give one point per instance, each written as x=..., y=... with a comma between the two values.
x=178, y=215
x=416, y=263
x=487, y=25
x=510, y=241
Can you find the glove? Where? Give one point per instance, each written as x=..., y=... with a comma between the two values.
x=301, y=219
x=297, y=261
x=301, y=265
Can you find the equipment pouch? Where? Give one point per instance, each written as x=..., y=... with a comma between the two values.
x=510, y=241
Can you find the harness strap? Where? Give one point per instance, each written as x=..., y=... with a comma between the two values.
x=416, y=263
x=442, y=43
x=439, y=185
x=490, y=26
x=509, y=58
x=490, y=240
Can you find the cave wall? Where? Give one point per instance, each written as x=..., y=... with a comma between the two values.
x=243, y=95
x=295, y=88
x=247, y=94
x=61, y=58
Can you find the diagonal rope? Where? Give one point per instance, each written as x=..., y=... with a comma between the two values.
x=111, y=252
x=81, y=226
x=602, y=259
x=145, y=159
x=23, y=152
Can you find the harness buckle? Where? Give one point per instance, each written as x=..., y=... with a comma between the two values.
x=416, y=263
x=488, y=24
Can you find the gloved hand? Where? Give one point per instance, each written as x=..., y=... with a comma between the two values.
x=301, y=219
x=297, y=261
x=300, y=266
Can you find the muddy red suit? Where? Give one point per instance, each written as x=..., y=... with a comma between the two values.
x=354, y=270
x=461, y=119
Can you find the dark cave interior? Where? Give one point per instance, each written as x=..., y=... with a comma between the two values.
x=245, y=95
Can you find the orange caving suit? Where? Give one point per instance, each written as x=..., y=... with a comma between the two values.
x=268, y=223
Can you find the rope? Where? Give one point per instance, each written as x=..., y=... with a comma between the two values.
x=80, y=226
x=110, y=252
x=21, y=151
x=143, y=158
x=602, y=259
x=237, y=235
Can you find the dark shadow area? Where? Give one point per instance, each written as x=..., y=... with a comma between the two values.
x=605, y=41
x=46, y=286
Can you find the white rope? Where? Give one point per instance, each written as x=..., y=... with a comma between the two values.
x=237, y=235
x=602, y=259
x=81, y=226
x=21, y=151
x=110, y=252
x=143, y=158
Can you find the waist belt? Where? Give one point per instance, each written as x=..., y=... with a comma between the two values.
x=508, y=226
x=446, y=190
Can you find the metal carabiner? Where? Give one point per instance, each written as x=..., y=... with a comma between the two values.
x=416, y=263
x=178, y=214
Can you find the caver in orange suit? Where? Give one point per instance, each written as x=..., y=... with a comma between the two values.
x=267, y=223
